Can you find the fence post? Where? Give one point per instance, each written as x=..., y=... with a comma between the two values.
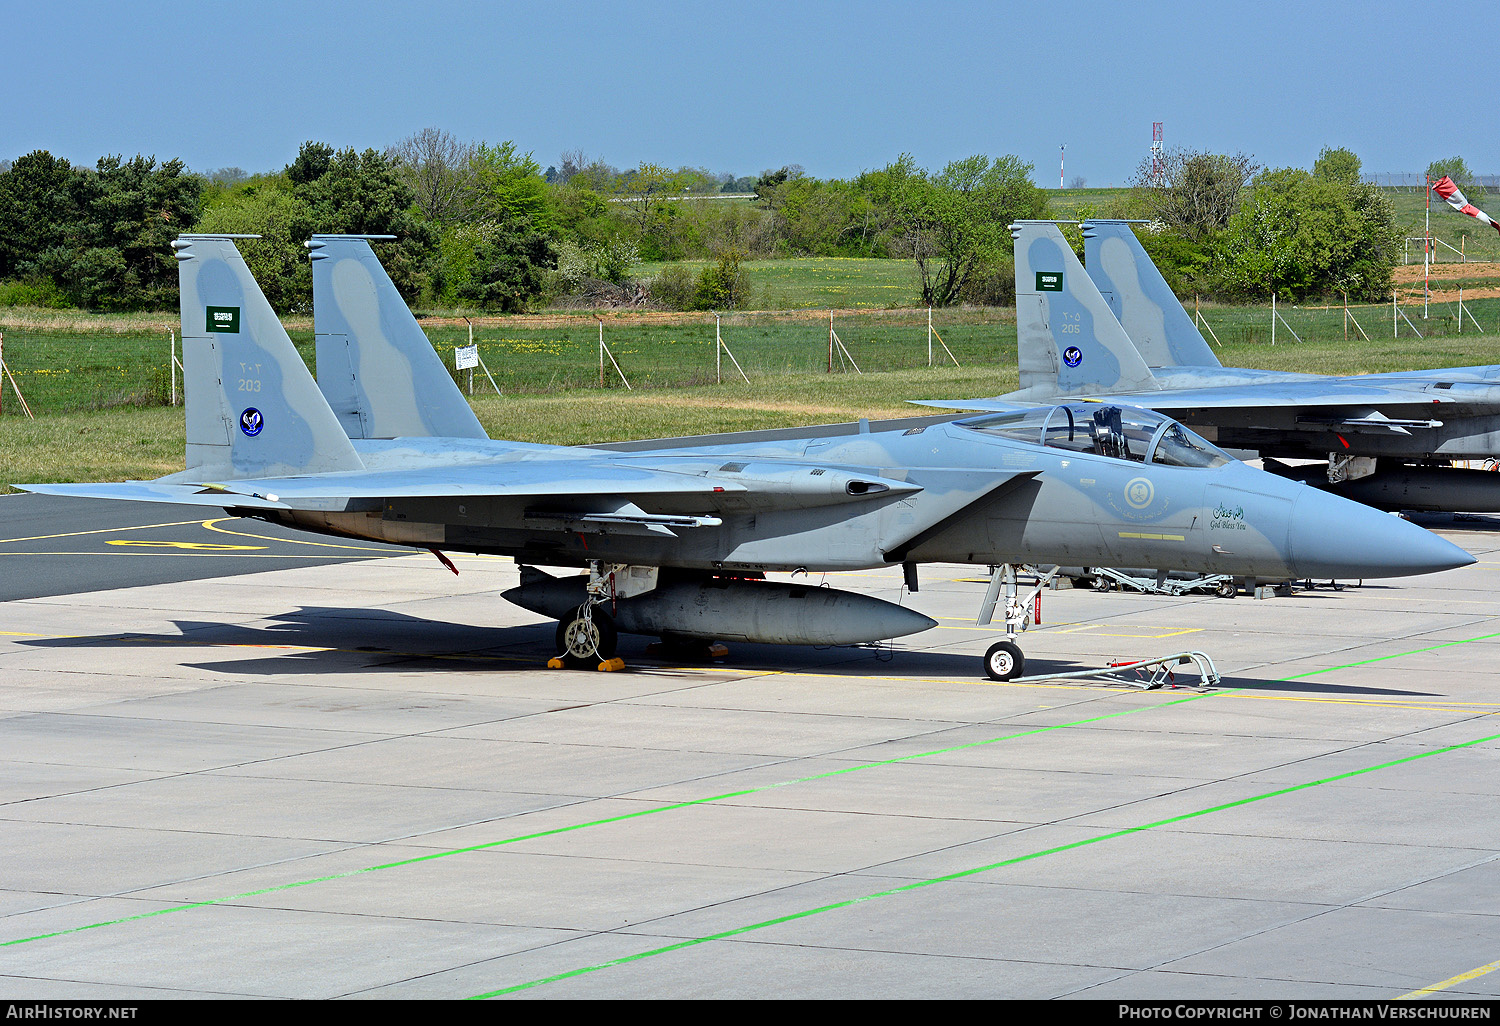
x=5, y=372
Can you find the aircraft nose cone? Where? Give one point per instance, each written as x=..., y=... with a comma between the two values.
x=1336, y=538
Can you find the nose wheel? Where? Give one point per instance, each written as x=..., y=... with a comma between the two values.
x=1004, y=661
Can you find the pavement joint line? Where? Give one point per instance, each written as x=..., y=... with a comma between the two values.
x=976, y=870
x=743, y=793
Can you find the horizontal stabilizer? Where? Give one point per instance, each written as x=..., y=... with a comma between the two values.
x=151, y=491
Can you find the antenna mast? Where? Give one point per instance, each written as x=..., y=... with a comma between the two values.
x=1158, y=165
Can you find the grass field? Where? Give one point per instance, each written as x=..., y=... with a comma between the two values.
x=823, y=283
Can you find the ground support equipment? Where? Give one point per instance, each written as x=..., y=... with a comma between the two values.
x=1146, y=674
x=1162, y=584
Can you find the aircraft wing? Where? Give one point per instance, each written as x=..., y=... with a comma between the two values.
x=719, y=484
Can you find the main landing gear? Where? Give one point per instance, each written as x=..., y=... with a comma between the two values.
x=586, y=637
x=1004, y=660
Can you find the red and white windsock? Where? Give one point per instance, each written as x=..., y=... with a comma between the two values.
x=1445, y=188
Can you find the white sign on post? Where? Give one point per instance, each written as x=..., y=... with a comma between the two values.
x=465, y=357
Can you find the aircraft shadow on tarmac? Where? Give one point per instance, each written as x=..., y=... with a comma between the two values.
x=1455, y=521
x=320, y=639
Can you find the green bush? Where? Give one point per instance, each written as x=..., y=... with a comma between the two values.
x=33, y=292
x=673, y=287
x=724, y=285
x=992, y=284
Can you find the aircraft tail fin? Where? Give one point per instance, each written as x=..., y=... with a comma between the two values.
x=376, y=366
x=1141, y=299
x=1068, y=341
x=253, y=410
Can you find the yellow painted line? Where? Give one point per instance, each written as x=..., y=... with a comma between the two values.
x=1429, y=705
x=209, y=525
x=1472, y=974
x=206, y=546
x=1096, y=632
x=102, y=530
x=27, y=634
x=230, y=555
x=1152, y=537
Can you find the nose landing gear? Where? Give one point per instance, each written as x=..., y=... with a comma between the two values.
x=1004, y=660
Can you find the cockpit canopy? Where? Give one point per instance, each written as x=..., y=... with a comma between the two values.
x=1120, y=432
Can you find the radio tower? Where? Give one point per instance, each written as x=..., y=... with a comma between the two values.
x=1158, y=165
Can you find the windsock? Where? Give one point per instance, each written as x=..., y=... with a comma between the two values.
x=1445, y=188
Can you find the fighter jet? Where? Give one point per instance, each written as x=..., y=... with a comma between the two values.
x=1118, y=332
x=676, y=542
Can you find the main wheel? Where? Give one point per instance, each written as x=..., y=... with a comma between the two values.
x=1004, y=661
x=586, y=638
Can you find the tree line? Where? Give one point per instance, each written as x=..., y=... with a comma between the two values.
x=1224, y=227
x=484, y=226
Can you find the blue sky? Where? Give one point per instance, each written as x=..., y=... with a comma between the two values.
x=837, y=87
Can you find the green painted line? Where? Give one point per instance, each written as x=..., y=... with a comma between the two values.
x=1396, y=655
x=555, y=831
x=686, y=804
x=964, y=873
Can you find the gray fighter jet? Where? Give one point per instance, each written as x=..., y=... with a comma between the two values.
x=1117, y=331
x=675, y=542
